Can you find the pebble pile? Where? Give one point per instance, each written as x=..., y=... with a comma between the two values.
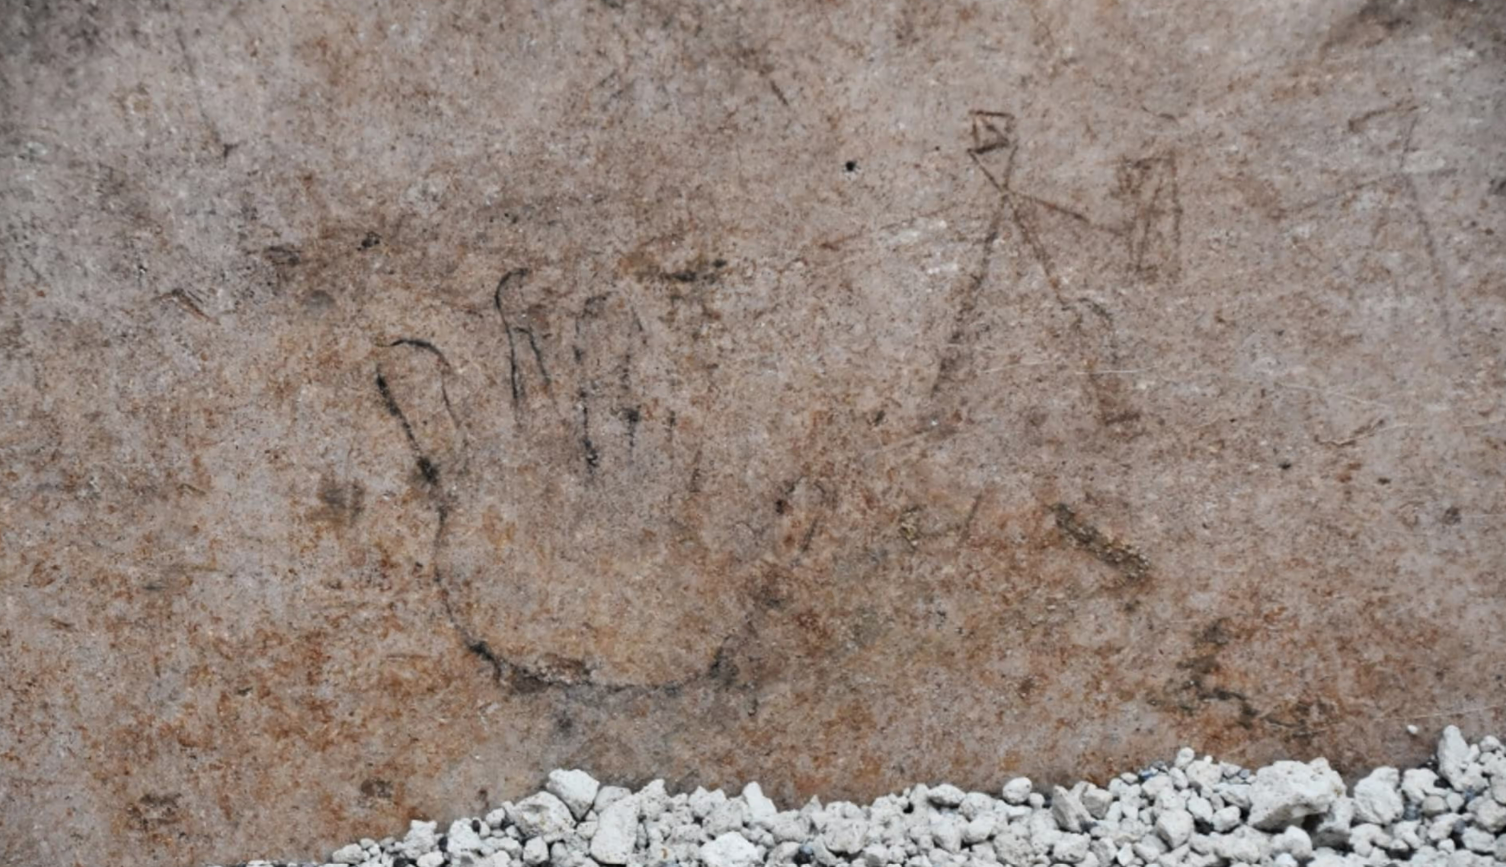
x=1193, y=812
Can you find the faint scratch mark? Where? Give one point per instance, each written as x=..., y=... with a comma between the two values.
x=198, y=96
x=1430, y=243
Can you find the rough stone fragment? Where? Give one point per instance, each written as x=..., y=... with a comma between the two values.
x=1201, y=809
x=608, y=795
x=1153, y=787
x=1017, y=790
x=577, y=789
x=419, y=839
x=1418, y=783
x=1235, y=794
x=1044, y=832
x=789, y=826
x=946, y=832
x=462, y=841
x=1293, y=841
x=1454, y=762
x=729, y=850
x=1286, y=792
x=1334, y=828
x=653, y=800
x=760, y=807
x=1150, y=848
x=845, y=836
x=1071, y=848
x=702, y=802
x=1096, y=801
x=979, y=829
x=946, y=795
x=1012, y=847
x=1069, y=812
x=1478, y=840
x=1377, y=798
x=1488, y=814
x=616, y=832
x=1203, y=775
x=1225, y=818
x=1365, y=838
x=1175, y=827
x=1440, y=828
x=730, y=815
x=542, y=815
x=1242, y=845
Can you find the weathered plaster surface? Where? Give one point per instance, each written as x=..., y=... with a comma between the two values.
x=399, y=400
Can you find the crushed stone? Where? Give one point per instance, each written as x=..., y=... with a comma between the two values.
x=1194, y=812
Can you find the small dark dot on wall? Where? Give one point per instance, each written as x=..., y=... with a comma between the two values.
x=852, y=165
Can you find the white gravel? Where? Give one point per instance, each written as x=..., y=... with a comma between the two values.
x=577, y=789
x=1286, y=792
x=616, y=832
x=541, y=815
x=1195, y=812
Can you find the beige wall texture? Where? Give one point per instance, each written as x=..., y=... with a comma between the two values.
x=401, y=399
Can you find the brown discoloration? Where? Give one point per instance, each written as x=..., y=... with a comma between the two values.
x=339, y=504
x=1123, y=557
x=154, y=813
